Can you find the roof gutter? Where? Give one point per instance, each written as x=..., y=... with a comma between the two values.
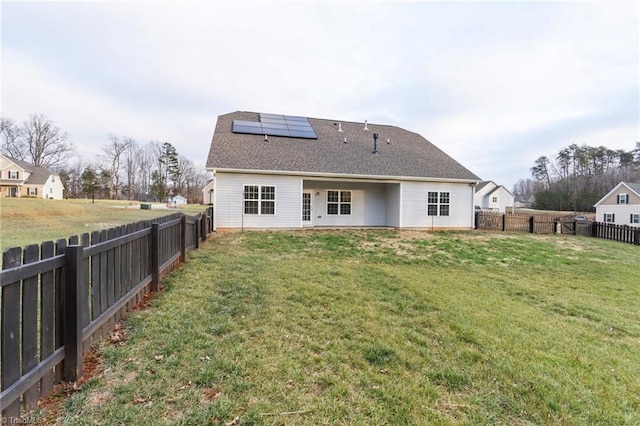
x=355, y=177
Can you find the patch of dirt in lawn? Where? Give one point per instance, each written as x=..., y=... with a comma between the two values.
x=51, y=406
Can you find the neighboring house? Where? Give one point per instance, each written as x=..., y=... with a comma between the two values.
x=524, y=202
x=20, y=179
x=274, y=171
x=493, y=197
x=621, y=206
x=178, y=200
x=207, y=193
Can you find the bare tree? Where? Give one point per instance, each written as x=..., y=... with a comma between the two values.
x=12, y=144
x=73, y=185
x=146, y=161
x=131, y=168
x=114, y=156
x=46, y=144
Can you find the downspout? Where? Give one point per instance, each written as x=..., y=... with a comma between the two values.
x=473, y=208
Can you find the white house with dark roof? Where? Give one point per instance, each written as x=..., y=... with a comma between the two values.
x=277, y=171
x=493, y=197
x=621, y=205
x=19, y=179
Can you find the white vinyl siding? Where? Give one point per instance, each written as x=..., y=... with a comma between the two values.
x=494, y=197
x=229, y=201
x=415, y=205
x=53, y=188
x=372, y=204
x=393, y=192
x=619, y=214
x=368, y=203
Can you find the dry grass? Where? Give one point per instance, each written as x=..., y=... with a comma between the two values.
x=339, y=327
x=26, y=221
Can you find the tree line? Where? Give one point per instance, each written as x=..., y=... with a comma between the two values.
x=578, y=176
x=124, y=169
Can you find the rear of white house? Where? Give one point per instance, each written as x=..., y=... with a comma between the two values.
x=621, y=206
x=343, y=177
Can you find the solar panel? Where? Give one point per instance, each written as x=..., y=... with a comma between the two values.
x=293, y=118
x=276, y=125
x=247, y=123
x=245, y=129
x=303, y=135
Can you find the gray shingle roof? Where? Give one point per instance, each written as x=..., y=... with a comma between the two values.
x=407, y=155
x=482, y=184
x=634, y=186
x=38, y=176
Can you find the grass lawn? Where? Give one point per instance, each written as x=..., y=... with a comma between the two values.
x=26, y=221
x=379, y=327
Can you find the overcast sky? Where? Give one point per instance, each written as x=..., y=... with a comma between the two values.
x=493, y=84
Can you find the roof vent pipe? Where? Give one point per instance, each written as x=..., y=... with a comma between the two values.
x=375, y=144
x=339, y=127
x=345, y=140
x=388, y=141
x=365, y=125
x=266, y=138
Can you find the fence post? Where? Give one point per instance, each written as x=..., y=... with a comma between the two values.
x=555, y=227
x=10, y=334
x=183, y=239
x=504, y=222
x=531, y=225
x=155, y=256
x=197, y=232
x=203, y=227
x=594, y=229
x=73, y=313
x=476, y=223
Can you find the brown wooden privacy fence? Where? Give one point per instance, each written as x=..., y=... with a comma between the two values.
x=545, y=225
x=523, y=223
x=57, y=298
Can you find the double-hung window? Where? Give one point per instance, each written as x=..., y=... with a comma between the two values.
x=259, y=199
x=609, y=217
x=634, y=218
x=13, y=174
x=623, y=199
x=338, y=202
x=32, y=191
x=438, y=203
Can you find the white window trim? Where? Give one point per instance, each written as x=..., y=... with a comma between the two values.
x=439, y=204
x=259, y=200
x=621, y=197
x=609, y=218
x=340, y=202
